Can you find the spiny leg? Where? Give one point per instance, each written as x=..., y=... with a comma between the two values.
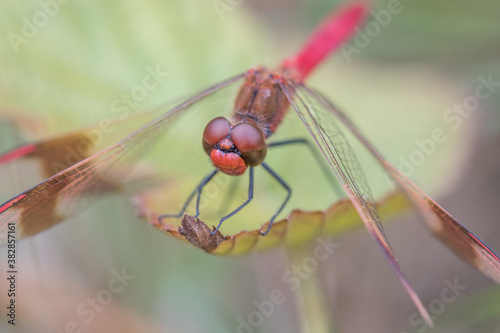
x=198, y=190
x=319, y=160
x=250, y=196
x=289, y=193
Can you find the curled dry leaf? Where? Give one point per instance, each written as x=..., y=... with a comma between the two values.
x=199, y=234
x=296, y=229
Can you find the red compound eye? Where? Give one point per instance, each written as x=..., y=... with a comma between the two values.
x=250, y=142
x=216, y=130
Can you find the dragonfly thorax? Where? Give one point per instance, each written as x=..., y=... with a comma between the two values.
x=261, y=100
x=232, y=148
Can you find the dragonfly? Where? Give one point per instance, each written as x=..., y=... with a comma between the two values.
x=75, y=176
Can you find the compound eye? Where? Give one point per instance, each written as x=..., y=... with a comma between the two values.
x=250, y=142
x=216, y=130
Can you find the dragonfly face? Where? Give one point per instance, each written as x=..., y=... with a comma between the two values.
x=233, y=148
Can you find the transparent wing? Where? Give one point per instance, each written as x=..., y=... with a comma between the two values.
x=322, y=124
x=69, y=190
x=444, y=226
x=33, y=162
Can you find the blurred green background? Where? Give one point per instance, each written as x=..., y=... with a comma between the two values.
x=66, y=72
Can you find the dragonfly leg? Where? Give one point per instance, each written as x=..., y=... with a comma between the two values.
x=319, y=160
x=229, y=195
x=250, y=196
x=289, y=193
x=198, y=190
x=200, y=187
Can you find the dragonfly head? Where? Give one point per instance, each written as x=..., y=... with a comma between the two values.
x=233, y=148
